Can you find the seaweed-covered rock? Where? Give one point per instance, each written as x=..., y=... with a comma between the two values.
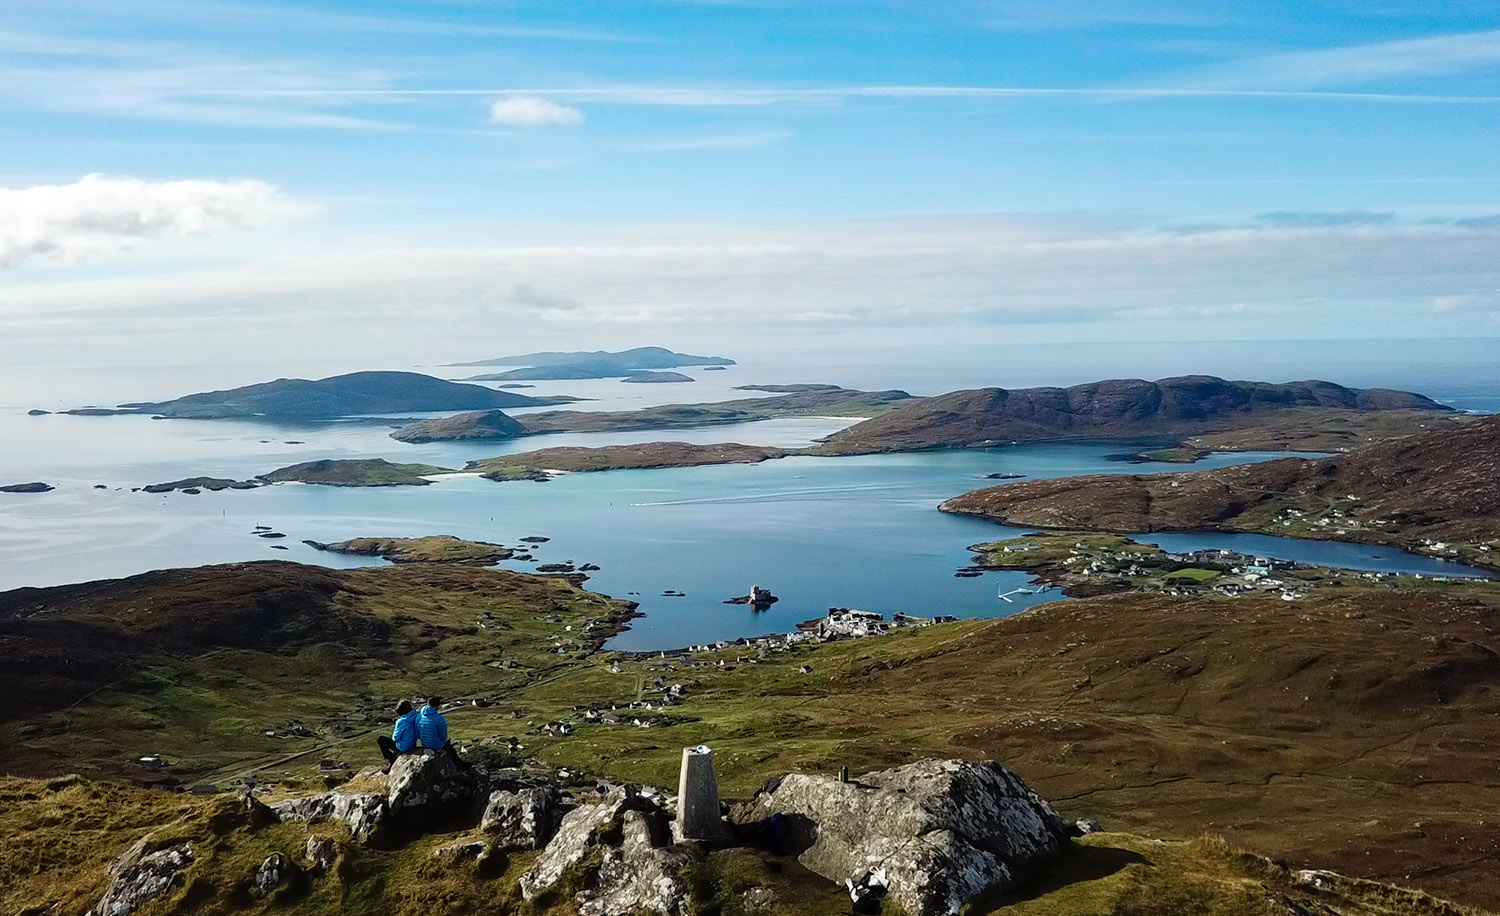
x=934, y=834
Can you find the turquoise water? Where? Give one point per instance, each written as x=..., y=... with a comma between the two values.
x=861, y=532
x=819, y=532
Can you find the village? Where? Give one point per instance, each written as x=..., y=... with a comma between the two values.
x=1094, y=564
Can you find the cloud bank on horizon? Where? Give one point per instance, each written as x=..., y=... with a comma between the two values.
x=1007, y=168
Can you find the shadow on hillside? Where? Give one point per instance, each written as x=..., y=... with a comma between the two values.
x=1076, y=865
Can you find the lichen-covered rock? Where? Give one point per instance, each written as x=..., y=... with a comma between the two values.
x=274, y=873
x=639, y=874
x=320, y=853
x=525, y=819
x=461, y=852
x=364, y=813
x=428, y=787
x=942, y=831
x=625, y=839
x=141, y=875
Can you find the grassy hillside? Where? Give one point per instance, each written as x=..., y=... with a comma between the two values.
x=1353, y=730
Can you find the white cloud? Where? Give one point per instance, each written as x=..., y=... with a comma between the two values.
x=1442, y=55
x=99, y=214
x=533, y=111
x=932, y=276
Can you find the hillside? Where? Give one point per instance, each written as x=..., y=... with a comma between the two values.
x=476, y=424
x=1353, y=731
x=1443, y=486
x=1113, y=409
x=637, y=358
x=354, y=394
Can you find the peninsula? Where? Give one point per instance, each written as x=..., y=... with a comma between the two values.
x=1118, y=409
x=354, y=394
x=1437, y=493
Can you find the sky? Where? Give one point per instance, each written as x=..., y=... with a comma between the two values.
x=210, y=178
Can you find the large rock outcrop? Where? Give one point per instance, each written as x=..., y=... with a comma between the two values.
x=363, y=813
x=934, y=834
x=424, y=788
x=142, y=874
x=524, y=819
x=623, y=844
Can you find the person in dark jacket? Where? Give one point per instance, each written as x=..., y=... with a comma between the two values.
x=403, y=739
x=432, y=730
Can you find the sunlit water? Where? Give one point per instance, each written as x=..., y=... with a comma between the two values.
x=819, y=532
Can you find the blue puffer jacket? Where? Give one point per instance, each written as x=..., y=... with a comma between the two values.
x=405, y=732
x=432, y=728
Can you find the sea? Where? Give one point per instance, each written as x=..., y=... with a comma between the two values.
x=818, y=532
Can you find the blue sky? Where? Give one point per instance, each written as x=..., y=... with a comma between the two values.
x=677, y=170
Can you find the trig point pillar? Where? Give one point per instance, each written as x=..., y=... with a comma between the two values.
x=698, y=796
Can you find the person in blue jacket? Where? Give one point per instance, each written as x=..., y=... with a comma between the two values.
x=403, y=739
x=432, y=730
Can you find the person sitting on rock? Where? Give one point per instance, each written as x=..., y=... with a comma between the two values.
x=432, y=729
x=403, y=739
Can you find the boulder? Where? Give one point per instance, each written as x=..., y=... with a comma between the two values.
x=623, y=842
x=274, y=874
x=425, y=788
x=639, y=874
x=364, y=813
x=140, y=875
x=936, y=834
x=321, y=852
x=525, y=819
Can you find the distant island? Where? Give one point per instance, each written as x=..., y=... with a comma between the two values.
x=440, y=548
x=593, y=368
x=817, y=400
x=1434, y=494
x=477, y=424
x=656, y=377
x=1169, y=408
x=637, y=358
x=354, y=394
x=355, y=472
x=35, y=486
x=542, y=464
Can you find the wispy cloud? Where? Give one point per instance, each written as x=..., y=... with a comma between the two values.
x=98, y=214
x=533, y=111
x=1355, y=65
x=916, y=274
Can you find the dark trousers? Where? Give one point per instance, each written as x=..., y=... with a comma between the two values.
x=387, y=748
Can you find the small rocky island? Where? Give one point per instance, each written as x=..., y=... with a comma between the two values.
x=35, y=486
x=477, y=424
x=651, y=378
x=545, y=463
x=438, y=548
x=355, y=472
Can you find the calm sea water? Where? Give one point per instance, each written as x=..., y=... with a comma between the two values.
x=861, y=532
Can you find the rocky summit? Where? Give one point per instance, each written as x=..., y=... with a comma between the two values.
x=933, y=835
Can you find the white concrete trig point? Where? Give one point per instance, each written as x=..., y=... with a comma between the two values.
x=698, y=796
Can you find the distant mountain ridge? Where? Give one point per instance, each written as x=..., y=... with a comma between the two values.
x=636, y=358
x=353, y=394
x=1127, y=408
